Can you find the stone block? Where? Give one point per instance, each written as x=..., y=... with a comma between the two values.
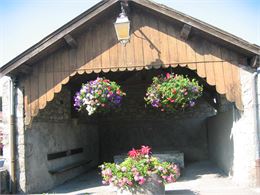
x=168, y=156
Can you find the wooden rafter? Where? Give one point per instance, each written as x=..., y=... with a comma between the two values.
x=71, y=41
x=185, y=31
x=254, y=60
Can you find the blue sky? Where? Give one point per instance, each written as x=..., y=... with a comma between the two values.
x=25, y=22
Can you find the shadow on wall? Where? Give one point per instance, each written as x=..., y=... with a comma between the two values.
x=220, y=140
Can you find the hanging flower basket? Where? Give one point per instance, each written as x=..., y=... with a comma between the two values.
x=100, y=95
x=140, y=173
x=173, y=92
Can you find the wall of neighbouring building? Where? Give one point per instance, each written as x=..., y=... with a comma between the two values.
x=134, y=125
x=53, y=130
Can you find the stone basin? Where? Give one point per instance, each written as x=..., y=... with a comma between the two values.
x=169, y=156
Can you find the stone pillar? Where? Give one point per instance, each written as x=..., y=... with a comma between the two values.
x=6, y=121
x=19, y=122
x=244, y=135
x=20, y=143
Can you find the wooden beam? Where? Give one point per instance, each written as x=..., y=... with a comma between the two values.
x=185, y=31
x=254, y=60
x=71, y=41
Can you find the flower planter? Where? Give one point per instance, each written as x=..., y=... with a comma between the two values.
x=172, y=93
x=100, y=95
x=140, y=173
x=150, y=187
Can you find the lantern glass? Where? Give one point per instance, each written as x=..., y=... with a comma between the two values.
x=122, y=30
x=122, y=27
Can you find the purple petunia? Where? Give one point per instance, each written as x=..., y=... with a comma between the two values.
x=155, y=103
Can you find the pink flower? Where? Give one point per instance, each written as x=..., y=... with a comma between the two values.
x=172, y=100
x=169, y=179
x=145, y=150
x=133, y=153
x=107, y=172
x=160, y=168
x=120, y=183
x=130, y=183
x=176, y=168
x=136, y=177
x=141, y=180
x=168, y=75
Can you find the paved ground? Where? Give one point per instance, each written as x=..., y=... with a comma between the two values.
x=201, y=178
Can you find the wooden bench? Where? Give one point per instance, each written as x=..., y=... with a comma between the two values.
x=69, y=167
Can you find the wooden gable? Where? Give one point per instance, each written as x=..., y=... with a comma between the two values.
x=155, y=42
x=160, y=37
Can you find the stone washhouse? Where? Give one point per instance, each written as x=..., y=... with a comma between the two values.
x=47, y=142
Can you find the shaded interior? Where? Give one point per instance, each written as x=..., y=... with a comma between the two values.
x=201, y=133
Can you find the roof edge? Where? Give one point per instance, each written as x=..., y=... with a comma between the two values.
x=56, y=35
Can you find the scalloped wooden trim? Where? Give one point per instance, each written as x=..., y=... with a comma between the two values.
x=231, y=94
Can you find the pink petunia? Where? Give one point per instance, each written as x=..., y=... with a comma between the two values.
x=133, y=153
x=168, y=75
x=145, y=150
x=141, y=181
x=160, y=168
x=136, y=177
x=130, y=183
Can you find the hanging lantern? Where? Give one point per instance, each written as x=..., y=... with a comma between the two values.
x=122, y=27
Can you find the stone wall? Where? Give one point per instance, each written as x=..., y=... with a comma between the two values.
x=53, y=130
x=244, y=135
x=232, y=136
x=220, y=139
x=6, y=121
x=19, y=124
x=135, y=125
x=4, y=181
